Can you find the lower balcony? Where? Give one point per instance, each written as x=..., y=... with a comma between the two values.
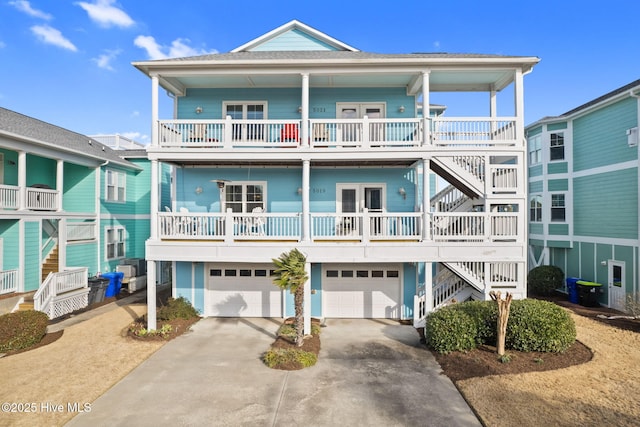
x=36, y=197
x=350, y=227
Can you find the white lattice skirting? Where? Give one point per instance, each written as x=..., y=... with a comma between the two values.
x=68, y=302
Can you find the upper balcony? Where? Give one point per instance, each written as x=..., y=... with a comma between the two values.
x=36, y=198
x=365, y=133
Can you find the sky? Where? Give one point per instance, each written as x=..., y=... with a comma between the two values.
x=69, y=62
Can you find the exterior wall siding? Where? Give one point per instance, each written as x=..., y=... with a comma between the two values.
x=293, y=40
x=10, y=233
x=10, y=173
x=605, y=126
x=41, y=171
x=536, y=186
x=535, y=171
x=559, y=229
x=608, y=198
x=557, y=167
x=83, y=255
x=79, y=188
x=558, y=185
x=31, y=255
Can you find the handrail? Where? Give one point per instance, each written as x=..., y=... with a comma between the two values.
x=59, y=283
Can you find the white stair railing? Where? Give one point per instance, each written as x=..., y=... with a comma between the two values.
x=8, y=281
x=448, y=199
x=57, y=284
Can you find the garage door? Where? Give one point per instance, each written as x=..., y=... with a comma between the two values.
x=362, y=291
x=242, y=291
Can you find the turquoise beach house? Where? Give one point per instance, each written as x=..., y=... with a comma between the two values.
x=583, y=193
x=298, y=140
x=70, y=207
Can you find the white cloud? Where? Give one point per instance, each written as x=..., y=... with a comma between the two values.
x=179, y=48
x=50, y=35
x=25, y=6
x=2, y=44
x=106, y=15
x=436, y=44
x=135, y=114
x=104, y=60
x=137, y=136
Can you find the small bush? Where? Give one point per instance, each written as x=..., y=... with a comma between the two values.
x=536, y=325
x=22, y=329
x=287, y=356
x=177, y=308
x=543, y=280
x=450, y=329
x=484, y=315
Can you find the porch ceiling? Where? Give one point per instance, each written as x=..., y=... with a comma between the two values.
x=291, y=163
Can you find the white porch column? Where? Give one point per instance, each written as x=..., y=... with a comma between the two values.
x=153, y=222
x=519, y=106
x=304, y=132
x=428, y=287
x=307, y=300
x=425, y=108
x=62, y=244
x=306, y=215
x=154, y=110
x=152, y=323
x=59, y=183
x=426, y=200
x=22, y=180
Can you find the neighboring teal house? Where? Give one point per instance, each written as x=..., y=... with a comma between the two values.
x=298, y=140
x=583, y=193
x=69, y=206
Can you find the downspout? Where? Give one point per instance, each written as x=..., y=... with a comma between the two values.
x=98, y=213
x=635, y=261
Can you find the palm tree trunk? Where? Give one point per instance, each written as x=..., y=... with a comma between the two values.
x=298, y=298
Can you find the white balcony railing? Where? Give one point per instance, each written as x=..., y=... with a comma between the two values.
x=78, y=231
x=473, y=131
x=8, y=281
x=43, y=199
x=364, y=227
x=9, y=196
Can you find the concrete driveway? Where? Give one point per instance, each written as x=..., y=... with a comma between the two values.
x=370, y=372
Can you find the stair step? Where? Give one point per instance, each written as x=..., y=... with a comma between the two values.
x=26, y=306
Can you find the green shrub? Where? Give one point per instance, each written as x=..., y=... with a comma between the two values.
x=177, y=308
x=484, y=315
x=289, y=356
x=536, y=325
x=22, y=329
x=288, y=330
x=450, y=329
x=543, y=280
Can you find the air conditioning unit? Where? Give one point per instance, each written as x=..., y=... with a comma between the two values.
x=128, y=270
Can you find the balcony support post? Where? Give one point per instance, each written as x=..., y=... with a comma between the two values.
x=152, y=324
x=426, y=200
x=426, y=129
x=306, y=309
x=153, y=221
x=22, y=180
x=154, y=110
x=519, y=107
x=304, y=131
x=59, y=184
x=306, y=172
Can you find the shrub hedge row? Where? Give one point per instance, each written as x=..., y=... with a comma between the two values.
x=533, y=325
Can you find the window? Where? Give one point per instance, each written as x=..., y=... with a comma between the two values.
x=116, y=239
x=535, y=209
x=535, y=149
x=244, y=198
x=116, y=186
x=251, y=110
x=557, y=207
x=556, y=146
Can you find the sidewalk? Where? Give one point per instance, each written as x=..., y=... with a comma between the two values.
x=58, y=380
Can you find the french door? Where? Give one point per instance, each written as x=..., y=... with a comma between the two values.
x=353, y=199
x=249, y=111
x=351, y=132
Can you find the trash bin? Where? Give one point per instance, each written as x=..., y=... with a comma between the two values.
x=588, y=293
x=115, y=283
x=98, y=287
x=572, y=289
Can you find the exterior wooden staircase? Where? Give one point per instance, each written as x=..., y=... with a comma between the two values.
x=28, y=303
x=50, y=264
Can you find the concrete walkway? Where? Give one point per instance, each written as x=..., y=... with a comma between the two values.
x=370, y=372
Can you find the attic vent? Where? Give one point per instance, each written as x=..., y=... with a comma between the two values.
x=632, y=137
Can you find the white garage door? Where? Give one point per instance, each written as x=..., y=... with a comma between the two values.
x=242, y=291
x=361, y=291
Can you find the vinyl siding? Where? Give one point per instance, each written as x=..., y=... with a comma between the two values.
x=573, y=261
x=600, y=139
x=79, y=189
x=83, y=255
x=292, y=40
x=606, y=205
x=9, y=231
x=31, y=255
x=535, y=170
x=165, y=185
x=536, y=228
x=10, y=171
x=556, y=126
x=558, y=185
x=41, y=171
x=137, y=232
x=558, y=243
x=557, y=167
x=536, y=186
x=587, y=261
x=283, y=103
x=535, y=131
x=559, y=229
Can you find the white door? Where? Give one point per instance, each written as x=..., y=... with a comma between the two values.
x=617, y=293
x=351, y=131
x=242, y=291
x=247, y=111
x=361, y=291
x=354, y=198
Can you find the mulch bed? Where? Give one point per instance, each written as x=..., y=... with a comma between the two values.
x=310, y=344
x=46, y=340
x=178, y=327
x=484, y=361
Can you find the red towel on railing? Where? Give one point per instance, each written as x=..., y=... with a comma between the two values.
x=289, y=132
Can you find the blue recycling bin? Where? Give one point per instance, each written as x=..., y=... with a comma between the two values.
x=572, y=289
x=115, y=283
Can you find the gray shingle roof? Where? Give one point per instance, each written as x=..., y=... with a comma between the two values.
x=604, y=97
x=16, y=125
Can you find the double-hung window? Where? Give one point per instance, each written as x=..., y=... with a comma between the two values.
x=116, y=238
x=535, y=149
x=116, y=186
x=245, y=197
x=558, y=207
x=535, y=209
x=556, y=146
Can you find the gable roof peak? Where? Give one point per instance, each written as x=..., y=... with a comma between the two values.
x=295, y=25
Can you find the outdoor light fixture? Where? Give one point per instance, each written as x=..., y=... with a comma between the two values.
x=220, y=182
x=299, y=191
x=300, y=109
x=198, y=190
x=402, y=192
x=401, y=109
x=198, y=109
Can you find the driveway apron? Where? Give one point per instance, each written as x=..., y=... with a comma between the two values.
x=370, y=372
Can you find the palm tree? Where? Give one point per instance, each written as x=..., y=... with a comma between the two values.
x=291, y=275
